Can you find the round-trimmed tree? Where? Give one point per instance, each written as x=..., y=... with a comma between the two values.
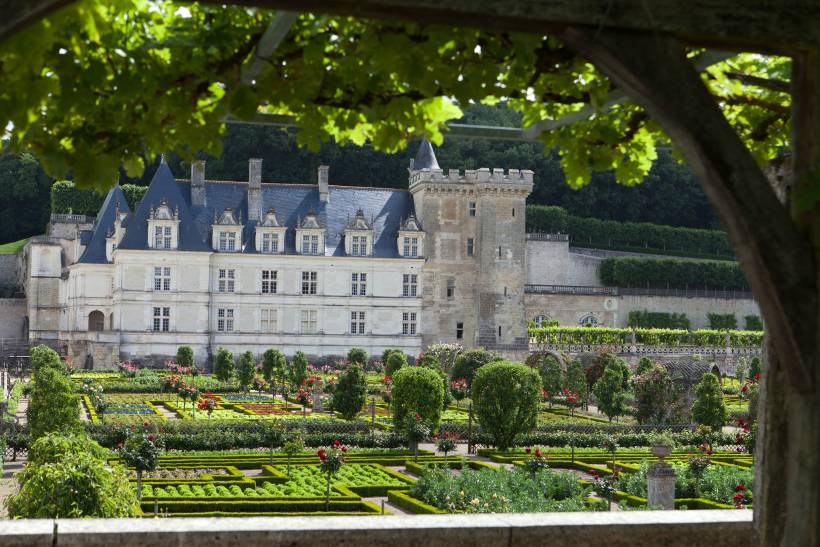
x=357, y=356
x=506, y=398
x=53, y=405
x=298, y=370
x=185, y=356
x=417, y=390
x=350, y=393
x=709, y=408
x=469, y=361
x=395, y=361
x=273, y=367
x=224, y=365
x=609, y=391
x=247, y=368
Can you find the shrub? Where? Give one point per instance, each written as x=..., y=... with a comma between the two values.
x=351, y=392
x=576, y=379
x=417, y=390
x=609, y=391
x=552, y=375
x=247, y=368
x=469, y=361
x=506, y=398
x=185, y=356
x=357, y=356
x=395, y=361
x=224, y=365
x=69, y=479
x=658, y=320
x=274, y=366
x=657, y=397
x=445, y=353
x=671, y=273
x=722, y=321
x=53, y=406
x=66, y=198
x=298, y=370
x=754, y=367
x=45, y=356
x=753, y=322
x=709, y=408
x=645, y=364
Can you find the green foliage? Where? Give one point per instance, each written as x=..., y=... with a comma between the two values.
x=753, y=322
x=445, y=354
x=224, y=365
x=506, y=399
x=247, y=368
x=649, y=337
x=395, y=360
x=67, y=198
x=185, y=356
x=609, y=391
x=645, y=364
x=273, y=365
x=672, y=273
x=552, y=375
x=754, y=367
x=417, y=390
x=709, y=408
x=351, y=392
x=576, y=379
x=657, y=397
x=53, y=406
x=357, y=356
x=658, y=320
x=298, y=370
x=142, y=451
x=722, y=321
x=24, y=208
x=469, y=361
x=629, y=236
x=70, y=478
x=500, y=491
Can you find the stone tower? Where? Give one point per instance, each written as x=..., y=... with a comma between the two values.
x=474, y=276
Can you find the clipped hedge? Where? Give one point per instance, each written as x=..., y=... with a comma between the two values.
x=657, y=320
x=67, y=198
x=250, y=508
x=629, y=236
x=409, y=503
x=648, y=337
x=672, y=273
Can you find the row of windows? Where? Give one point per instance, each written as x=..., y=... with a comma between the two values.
x=271, y=243
x=226, y=282
x=308, y=323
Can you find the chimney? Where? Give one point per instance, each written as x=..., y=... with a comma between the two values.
x=324, y=189
x=198, y=183
x=254, y=189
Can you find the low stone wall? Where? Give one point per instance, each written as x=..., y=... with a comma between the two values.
x=615, y=529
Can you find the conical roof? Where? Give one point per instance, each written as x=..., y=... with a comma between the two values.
x=425, y=157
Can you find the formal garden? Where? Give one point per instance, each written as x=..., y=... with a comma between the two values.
x=452, y=430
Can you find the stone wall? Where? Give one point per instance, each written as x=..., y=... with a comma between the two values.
x=11, y=271
x=552, y=263
x=14, y=325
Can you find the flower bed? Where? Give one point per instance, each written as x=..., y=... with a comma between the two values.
x=264, y=409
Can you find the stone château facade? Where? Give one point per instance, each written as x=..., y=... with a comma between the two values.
x=319, y=268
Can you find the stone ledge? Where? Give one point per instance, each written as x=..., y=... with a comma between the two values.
x=616, y=529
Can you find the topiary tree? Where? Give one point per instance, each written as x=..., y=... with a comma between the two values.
x=298, y=370
x=609, y=391
x=709, y=408
x=141, y=451
x=357, y=356
x=506, y=398
x=273, y=435
x=417, y=390
x=224, y=365
x=247, y=368
x=576, y=379
x=469, y=361
x=351, y=392
x=754, y=368
x=274, y=366
x=395, y=361
x=53, y=405
x=657, y=396
x=185, y=356
x=552, y=376
x=386, y=354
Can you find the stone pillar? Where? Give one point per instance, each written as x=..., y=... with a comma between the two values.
x=660, y=485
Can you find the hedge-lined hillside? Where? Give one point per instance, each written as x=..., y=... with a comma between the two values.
x=65, y=198
x=628, y=236
x=676, y=274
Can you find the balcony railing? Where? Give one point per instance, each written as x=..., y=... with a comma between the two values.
x=637, y=291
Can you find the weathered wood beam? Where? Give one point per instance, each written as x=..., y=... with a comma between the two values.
x=270, y=40
x=776, y=256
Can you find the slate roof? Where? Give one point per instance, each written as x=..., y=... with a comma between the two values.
x=95, y=239
x=425, y=157
x=387, y=208
x=690, y=371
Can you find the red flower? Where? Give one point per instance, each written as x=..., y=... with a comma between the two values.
x=344, y=449
x=151, y=438
x=744, y=389
x=322, y=454
x=740, y=487
x=418, y=416
x=336, y=443
x=537, y=452
x=757, y=376
x=528, y=450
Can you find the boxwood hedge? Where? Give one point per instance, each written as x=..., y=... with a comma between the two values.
x=672, y=273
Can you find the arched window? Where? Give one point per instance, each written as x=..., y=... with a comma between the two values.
x=541, y=320
x=589, y=320
x=96, y=321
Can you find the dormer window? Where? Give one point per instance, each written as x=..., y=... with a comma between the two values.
x=270, y=234
x=359, y=236
x=163, y=226
x=411, y=239
x=310, y=236
x=227, y=232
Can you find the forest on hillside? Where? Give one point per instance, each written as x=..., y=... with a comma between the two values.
x=670, y=195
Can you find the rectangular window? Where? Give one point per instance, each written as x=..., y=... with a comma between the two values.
x=162, y=319
x=162, y=278
x=269, y=281
x=267, y=320
x=358, y=284
x=470, y=246
x=224, y=319
x=227, y=241
x=472, y=208
x=451, y=288
x=357, y=322
x=408, y=322
x=309, y=282
x=162, y=237
x=459, y=331
x=167, y=238
x=309, y=323
x=411, y=247
x=270, y=243
x=227, y=280
x=158, y=237
x=409, y=286
x=513, y=211
x=499, y=252
x=499, y=331
x=310, y=244
x=358, y=247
